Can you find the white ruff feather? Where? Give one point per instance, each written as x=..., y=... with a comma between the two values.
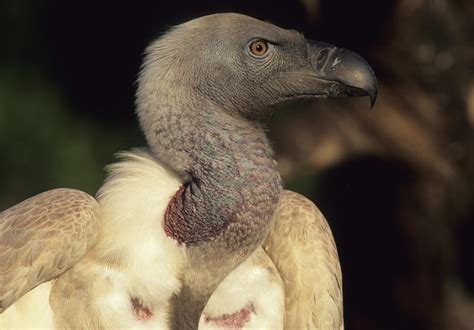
x=133, y=202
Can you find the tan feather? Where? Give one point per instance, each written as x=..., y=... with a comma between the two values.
x=302, y=247
x=43, y=237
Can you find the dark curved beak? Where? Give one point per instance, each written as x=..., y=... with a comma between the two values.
x=347, y=73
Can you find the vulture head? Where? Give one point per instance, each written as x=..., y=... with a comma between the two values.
x=203, y=89
x=247, y=66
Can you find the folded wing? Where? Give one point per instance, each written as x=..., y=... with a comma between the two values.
x=302, y=247
x=43, y=237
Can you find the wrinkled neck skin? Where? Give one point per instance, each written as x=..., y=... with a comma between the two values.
x=223, y=211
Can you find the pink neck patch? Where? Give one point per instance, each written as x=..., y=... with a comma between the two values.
x=232, y=321
x=141, y=313
x=173, y=221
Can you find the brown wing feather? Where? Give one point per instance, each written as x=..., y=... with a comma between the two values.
x=302, y=247
x=42, y=237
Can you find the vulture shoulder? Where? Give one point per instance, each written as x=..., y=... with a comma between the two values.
x=302, y=248
x=42, y=237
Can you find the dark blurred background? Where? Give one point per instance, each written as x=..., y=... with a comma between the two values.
x=395, y=183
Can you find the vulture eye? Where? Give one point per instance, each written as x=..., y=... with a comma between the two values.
x=258, y=47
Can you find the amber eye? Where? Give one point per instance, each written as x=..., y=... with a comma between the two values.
x=259, y=47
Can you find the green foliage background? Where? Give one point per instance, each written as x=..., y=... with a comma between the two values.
x=44, y=145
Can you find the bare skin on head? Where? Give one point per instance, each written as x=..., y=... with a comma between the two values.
x=175, y=221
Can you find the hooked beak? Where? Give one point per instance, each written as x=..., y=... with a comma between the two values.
x=343, y=72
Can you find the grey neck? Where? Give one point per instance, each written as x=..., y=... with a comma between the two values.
x=232, y=185
x=227, y=165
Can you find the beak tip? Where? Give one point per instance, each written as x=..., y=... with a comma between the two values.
x=367, y=80
x=372, y=104
x=373, y=97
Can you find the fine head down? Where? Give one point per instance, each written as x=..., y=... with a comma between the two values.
x=246, y=66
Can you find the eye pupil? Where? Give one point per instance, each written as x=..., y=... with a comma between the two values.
x=259, y=47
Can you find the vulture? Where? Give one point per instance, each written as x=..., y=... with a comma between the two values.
x=196, y=230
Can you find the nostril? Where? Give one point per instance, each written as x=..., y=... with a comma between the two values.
x=321, y=58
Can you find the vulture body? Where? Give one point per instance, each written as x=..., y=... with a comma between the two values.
x=196, y=230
